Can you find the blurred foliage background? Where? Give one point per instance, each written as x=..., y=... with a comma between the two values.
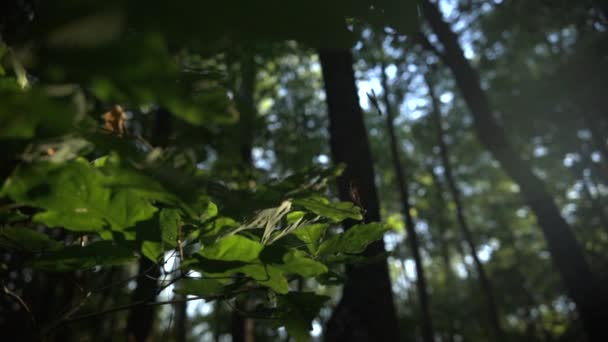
x=487, y=128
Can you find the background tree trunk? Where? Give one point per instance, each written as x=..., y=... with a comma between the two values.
x=141, y=317
x=242, y=328
x=581, y=284
x=410, y=225
x=366, y=311
x=140, y=320
x=484, y=281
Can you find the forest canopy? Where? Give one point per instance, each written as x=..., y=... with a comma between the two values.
x=368, y=170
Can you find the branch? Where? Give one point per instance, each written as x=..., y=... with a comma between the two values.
x=21, y=302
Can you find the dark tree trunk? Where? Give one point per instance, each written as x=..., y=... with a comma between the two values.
x=366, y=311
x=484, y=281
x=181, y=319
x=410, y=226
x=242, y=328
x=442, y=222
x=140, y=320
x=246, y=107
x=141, y=317
x=581, y=284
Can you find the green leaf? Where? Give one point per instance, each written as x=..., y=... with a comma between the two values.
x=214, y=267
x=204, y=287
x=291, y=261
x=297, y=262
x=25, y=239
x=3, y=51
x=152, y=250
x=335, y=211
x=233, y=248
x=19, y=71
x=102, y=253
x=25, y=113
x=75, y=197
x=354, y=240
x=216, y=226
x=311, y=235
x=238, y=254
x=299, y=309
x=157, y=235
x=169, y=220
x=121, y=178
x=294, y=216
x=88, y=32
x=267, y=275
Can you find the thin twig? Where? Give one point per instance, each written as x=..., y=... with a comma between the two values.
x=179, y=242
x=65, y=317
x=147, y=303
x=21, y=302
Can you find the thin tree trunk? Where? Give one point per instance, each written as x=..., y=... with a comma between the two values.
x=443, y=244
x=581, y=284
x=242, y=328
x=181, y=319
x=484, y=281
x=366, y=311
x=141, y=317
x=246, y=106
x=140, y=320
x=410, y=226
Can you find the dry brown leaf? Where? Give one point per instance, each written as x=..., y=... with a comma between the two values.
x=115, y=121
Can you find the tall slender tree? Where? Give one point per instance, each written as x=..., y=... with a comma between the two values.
x=440, y=218
x=366, y=311
x=582, y=285
x=140, y=321
x=242, y=327
x=484, y=280
x=410, y=225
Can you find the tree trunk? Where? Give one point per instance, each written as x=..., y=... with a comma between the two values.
x=247, y=107
x=140, y=320
x=181, y=319
x=366, y=311
x=484, y=281
x=581, y=284
x=141, y=317
x=410, y=226
x=242, y=328
x=442, y=222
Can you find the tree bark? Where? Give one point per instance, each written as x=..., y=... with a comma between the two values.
x=242, y=328
x=181, y=319
x=484, y=281
x=443, y=224
x=140, y=320
x=246, y=106
x=366, y=311
x=141, y=317
x=410, y=225
x=581, y=284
